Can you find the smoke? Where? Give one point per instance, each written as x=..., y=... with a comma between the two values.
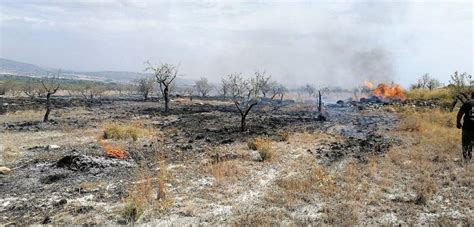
x=325, y=43
x=341, y=46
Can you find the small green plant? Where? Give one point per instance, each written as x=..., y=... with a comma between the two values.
x=132, y=212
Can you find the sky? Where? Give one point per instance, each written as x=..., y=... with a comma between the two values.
x=331, y=42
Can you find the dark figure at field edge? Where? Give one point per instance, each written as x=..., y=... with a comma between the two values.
x=467, y=110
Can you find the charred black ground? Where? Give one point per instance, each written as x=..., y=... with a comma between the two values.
x=46, y=181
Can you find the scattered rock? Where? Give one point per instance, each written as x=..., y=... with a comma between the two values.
x=224, y=157
x=60, y=202
x=390, y=110
x=46, y=220
x=227, y=141
x=53, y=178
x=199, y=136
x=87, y=163
x=255, y=156
x=321, y=117
x=52, y=147
x=4, y=170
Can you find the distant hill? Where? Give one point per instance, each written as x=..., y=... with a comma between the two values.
x=8, y=66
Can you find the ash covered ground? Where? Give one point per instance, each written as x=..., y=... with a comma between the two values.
x=60, y=174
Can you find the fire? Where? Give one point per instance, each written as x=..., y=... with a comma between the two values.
x=385, y=92
x=113, y=152
x=368, y=84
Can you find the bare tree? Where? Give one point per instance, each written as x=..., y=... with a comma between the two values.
x=263, y=82
x=91, y=91
x=460, y=84
x=310, y=89
x=189, y=91
x=32, y=88
x=277, y=91
x=203, y=87
x=244, y=94
x=11, y=88
x=224, y=88
x=165, y=74
x=145, y=86
x=51, y=86
x=426, y=82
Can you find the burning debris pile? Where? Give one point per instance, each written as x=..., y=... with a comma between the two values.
x=113, y=152
x=382, y=93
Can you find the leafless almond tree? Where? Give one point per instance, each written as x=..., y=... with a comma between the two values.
x=277, y=91
x=32, y=88
x=203, y=87
x=145, y=86
x=310, y=89
x=51, y=86
x=91, y=91
x=263, y=82
x=165, y=74
x=224, y=88
x=244, y=94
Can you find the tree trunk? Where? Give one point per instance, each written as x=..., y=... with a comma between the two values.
x=320, y=102
x=48, y=108
x=243, y=124
x=167, y=99
x=145, y=96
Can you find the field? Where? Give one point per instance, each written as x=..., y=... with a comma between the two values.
x=126, y=161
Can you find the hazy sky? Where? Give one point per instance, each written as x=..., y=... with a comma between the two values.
x=319, y=42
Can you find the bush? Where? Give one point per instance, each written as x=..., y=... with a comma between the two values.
x=132, y=212
x=263, y=146
x=123, y=132
x=283, y=135
x=266, y=153
x=257, y=143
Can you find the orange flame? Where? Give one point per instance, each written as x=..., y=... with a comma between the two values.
x=113, y=152
x=384, y=91
x=368, y=85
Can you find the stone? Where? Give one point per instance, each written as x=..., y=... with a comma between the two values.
x=60, y=202
x=255, y=156
x=53, y=178
x=227, y=141
x=200, y=136
x=53, y=147
x=391, y=110
x=4, y=170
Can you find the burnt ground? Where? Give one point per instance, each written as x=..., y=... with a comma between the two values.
x=75, y=183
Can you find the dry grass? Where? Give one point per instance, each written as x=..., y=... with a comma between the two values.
x=10, y=152
x=121, y=131
x=226, y=171
x=149, y=193
x=283, y=135
x=9, y=155
x=258, y=143
x=424, y=167
x=264, y=146
x=22, y=116
x=440, y=94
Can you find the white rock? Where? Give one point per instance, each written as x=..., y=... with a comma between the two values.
x=4, y=170
x=53, y=147
x=255, y=156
